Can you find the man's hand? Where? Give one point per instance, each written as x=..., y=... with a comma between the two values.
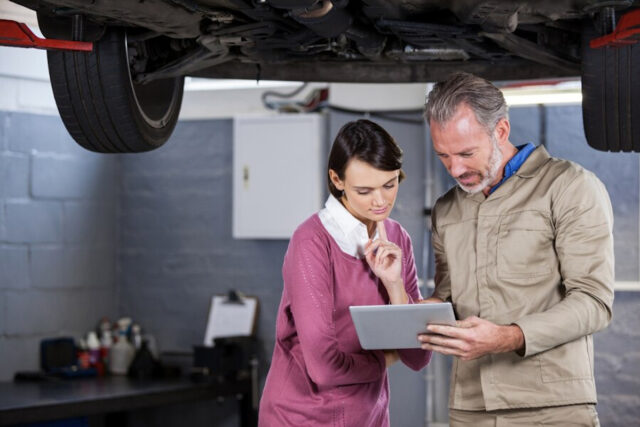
x=472, y=338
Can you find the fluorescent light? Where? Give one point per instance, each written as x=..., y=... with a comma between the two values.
x=568, y=92
x=544, y=98
x=199, y=84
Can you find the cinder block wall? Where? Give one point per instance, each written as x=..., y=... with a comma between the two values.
x=57, y=237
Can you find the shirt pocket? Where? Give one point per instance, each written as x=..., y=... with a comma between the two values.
x=525, y=249
x=567, y=362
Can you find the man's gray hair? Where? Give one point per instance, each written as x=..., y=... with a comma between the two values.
x=484, y=99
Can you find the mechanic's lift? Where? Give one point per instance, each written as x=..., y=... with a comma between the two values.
x=626, y=32
x=16, y=34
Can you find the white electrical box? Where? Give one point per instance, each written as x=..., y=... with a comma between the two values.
x=278, y=171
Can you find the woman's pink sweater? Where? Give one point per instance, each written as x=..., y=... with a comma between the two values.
x=319, y=375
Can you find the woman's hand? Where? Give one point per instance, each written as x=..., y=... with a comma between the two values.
x=430, y=300
x=385, y=260
x=391, y=357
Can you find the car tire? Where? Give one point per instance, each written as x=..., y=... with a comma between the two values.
x=610, y=95
x=101, y=106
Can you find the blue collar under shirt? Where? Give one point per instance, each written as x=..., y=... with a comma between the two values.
x=514, y=164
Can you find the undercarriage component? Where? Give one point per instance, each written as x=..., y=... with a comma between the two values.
x=168, y=19
x=198, y=59
x=492, y=16
x=436, y=38
x=532, y=51
x=329, y=20
x=379, y=72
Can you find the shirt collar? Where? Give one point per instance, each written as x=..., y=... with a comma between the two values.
x=342, y=216
x=536, y=160
x=514, y=164
x=352, y=234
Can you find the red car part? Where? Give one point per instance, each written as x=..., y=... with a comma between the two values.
x=627, y=32
x=14, y=33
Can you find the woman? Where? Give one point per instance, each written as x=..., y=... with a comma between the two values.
x=350, y=253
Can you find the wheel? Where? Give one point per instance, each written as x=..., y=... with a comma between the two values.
x=102, y=107
x=610, y=95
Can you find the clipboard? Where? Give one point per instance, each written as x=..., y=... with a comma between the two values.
x=231, y=315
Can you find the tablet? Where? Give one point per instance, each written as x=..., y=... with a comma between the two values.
x=397, y=326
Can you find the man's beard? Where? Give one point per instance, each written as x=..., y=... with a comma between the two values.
x=490, y=174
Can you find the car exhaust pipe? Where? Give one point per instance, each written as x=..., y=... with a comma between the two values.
x=325, y=18
x=331, y=19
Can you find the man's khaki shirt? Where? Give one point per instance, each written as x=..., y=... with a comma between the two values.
x=538, y=253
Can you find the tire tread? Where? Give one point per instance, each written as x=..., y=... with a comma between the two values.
x=96, y=102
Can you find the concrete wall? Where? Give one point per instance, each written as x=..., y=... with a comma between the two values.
x=57, y=237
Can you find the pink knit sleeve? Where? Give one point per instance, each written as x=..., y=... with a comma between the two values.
x=308, y=283
x=415, y=359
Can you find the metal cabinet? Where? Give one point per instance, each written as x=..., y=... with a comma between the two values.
x=278, y=173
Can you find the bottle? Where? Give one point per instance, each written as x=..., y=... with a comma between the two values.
x=105, y=348
x=151, y=345
x=103, y=325
x=122, y=354
x=124, y=323
x=144, y=365
x=93, y=345
x=136, y=336
x=84, y=360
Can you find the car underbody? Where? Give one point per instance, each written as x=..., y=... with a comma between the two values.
x=373, y=41
x=342, y=40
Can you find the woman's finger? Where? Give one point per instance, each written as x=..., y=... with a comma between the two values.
x=382, y=231
x=370, y=257
x=382, y=254
x=391, y=249
x=379, y=255
x=372, y=246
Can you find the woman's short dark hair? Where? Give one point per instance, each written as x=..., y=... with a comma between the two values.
x=366, y=141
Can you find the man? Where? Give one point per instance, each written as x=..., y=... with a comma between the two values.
x=524, y=251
